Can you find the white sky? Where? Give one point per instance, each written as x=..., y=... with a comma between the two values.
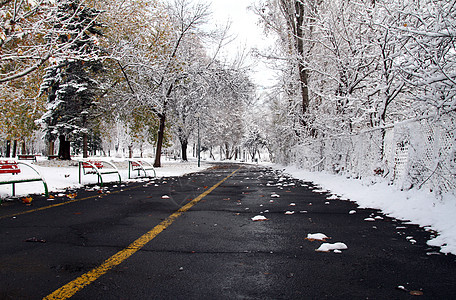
x=247, y=33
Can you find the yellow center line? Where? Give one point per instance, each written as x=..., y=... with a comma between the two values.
x=79, y=283
x=64, y=203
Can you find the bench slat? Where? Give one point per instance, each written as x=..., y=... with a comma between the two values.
x=9, y=167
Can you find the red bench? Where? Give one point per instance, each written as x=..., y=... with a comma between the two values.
x=138, y=165
x=9, y=167
x=12, y=167
x=26, y=157
x=88, y=166
x=95, y=167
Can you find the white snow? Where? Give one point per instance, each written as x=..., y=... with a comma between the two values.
x=317, y=237
x=418, y=206
x=327, y=247
x=259, y=218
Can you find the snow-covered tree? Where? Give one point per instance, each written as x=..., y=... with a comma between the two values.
x=71, y=83
x=31, y=34
x=232, y=93
x=426, y=33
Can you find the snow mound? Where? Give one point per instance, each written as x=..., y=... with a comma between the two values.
x=259, y=218
x=327, y=247
x=317, y=237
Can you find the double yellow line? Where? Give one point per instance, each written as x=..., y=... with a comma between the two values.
x=79, y=283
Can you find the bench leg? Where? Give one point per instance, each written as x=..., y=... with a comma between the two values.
x=14, y=189
x=46, y=191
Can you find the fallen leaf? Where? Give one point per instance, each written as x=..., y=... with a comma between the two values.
x=416, y=293
x=27, y=200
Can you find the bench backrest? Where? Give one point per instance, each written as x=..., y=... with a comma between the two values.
x=135, y=164
x=97, y=164
x=9, y=167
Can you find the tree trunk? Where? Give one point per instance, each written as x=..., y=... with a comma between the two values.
x=14, y=148
x=64, y=148
x=161, y=135
x=8, y=148
x=303, y=76
x=24, y=150
x=51, y=148
x=130, y=151
x=227, y=153
x=84, y=146
x=184, y=144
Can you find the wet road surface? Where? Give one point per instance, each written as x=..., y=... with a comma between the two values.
x=212, y=249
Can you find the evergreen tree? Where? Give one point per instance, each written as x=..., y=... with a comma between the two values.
x=71, y=83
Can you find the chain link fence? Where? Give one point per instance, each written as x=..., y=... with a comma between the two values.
x=411, y=154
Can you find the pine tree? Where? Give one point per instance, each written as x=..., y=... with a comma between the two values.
x=69, y=82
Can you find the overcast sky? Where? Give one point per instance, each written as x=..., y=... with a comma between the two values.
x=248, y=34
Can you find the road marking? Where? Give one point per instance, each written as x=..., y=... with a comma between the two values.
x=66, y=202
x=79, y=283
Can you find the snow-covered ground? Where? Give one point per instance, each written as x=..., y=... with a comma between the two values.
x=417, y=206
x=64, y=175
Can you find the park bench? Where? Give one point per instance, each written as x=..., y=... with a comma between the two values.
x=26, y=157
x=139, y=165
x=12, y=167
x=97, y=167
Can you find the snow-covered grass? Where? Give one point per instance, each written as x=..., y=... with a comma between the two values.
x=64, y=175
x=416, y=206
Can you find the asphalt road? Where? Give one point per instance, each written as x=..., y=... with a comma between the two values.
x=193, y=237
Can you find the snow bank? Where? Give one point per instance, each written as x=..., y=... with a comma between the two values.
x=417, y=206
